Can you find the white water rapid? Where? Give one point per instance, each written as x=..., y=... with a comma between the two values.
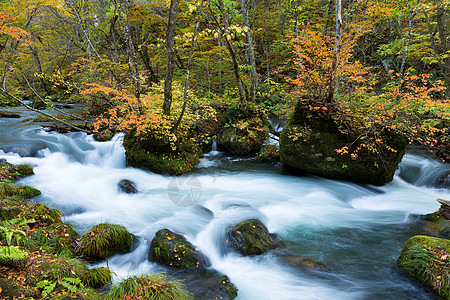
x=357, y=231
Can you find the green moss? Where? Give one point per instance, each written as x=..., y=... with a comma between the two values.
x=156, y=287
x=58, y=239
x=104, y=240
x=9, y=189
x=104, y=135
x=314, y=151
x=437, y=225
x=251, y=237
x=229, y=287
x=174, y=250
x=8, y=289
x=428, y=260
x=42, y=214
x=159, y=157
x=55, y=268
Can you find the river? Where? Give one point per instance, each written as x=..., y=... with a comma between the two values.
x=357, y=231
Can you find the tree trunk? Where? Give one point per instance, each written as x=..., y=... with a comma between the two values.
x=170, y=48
x=226, y=34
x=251, y=51
x=131, y=53
x=337, y=43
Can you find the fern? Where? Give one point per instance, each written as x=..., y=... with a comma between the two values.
x=72, y=284
x=12, y=253
x=46, y=286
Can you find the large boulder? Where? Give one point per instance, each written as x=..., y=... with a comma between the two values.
x=160, y=155
x=428, y=260
x=312, y=145
x=104, y=240
x=173, y=250
x=251, y=237
x=25, y=149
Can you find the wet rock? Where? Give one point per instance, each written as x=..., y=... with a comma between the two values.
x=104, y=135
x=251, y=237
x=9, y=114
x=173, y=250
x=208, y=284
x=25, y=150
x=426, y=259
x=304, y=262
x=2, y=160
x=309, y=143
x=444, y=210
x=103, y=241
x=8, y=289
x=443, y=181
x=127, y=186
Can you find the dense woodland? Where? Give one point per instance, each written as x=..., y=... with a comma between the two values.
x=167, y=66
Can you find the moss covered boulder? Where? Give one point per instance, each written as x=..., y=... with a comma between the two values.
x=173, y=250
x=162, y=155
x=13, y=172
x=241, y=132
x=428, y=260
x=208, y=284
x=251, y=237
x=8, y=289
x=104, y=240
x=317, y=145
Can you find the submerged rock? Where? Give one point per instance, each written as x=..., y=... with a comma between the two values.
x=312, y=144
x=173, y=250
x=26, y=149
x=251, y=237
x=428, y=260
x=443, y=182
x=9, y=114
x=127, y=186
x=104, y=240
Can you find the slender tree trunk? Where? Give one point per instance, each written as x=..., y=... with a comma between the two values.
x=412, y=14
x=227, y=36
x=186, y=82
x=39, y=65
x=219, y=44
x=337, y=43
x=251, y=51
x=170, y=48
x=131, y=52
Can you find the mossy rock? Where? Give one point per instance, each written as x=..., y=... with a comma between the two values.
x=173, y=250
x=54, y=268
x=103, y=241
x=9, y=289
x=11, y=172
x=9, y=114
x=208, y=284
x=103, y=136
x=428, y=260
x=243, y=137
x=269, y=154
x=159, y=156
x=313, y=150
x=251, y=237
x=10, y=190
x=58, y=239
x=42, y=214
x=149, y=287
x=437, y=225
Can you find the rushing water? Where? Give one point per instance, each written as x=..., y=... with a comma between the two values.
x=357, y=231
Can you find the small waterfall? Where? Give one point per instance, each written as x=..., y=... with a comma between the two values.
x=214, y=146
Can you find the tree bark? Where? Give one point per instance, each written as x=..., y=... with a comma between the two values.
x=226, y=34
x=337, y=43
x=251, y=51
x=170, y=48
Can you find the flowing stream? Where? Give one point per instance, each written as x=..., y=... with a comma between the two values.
x=356, y=231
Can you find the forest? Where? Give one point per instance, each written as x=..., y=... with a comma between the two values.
x=343, y=87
